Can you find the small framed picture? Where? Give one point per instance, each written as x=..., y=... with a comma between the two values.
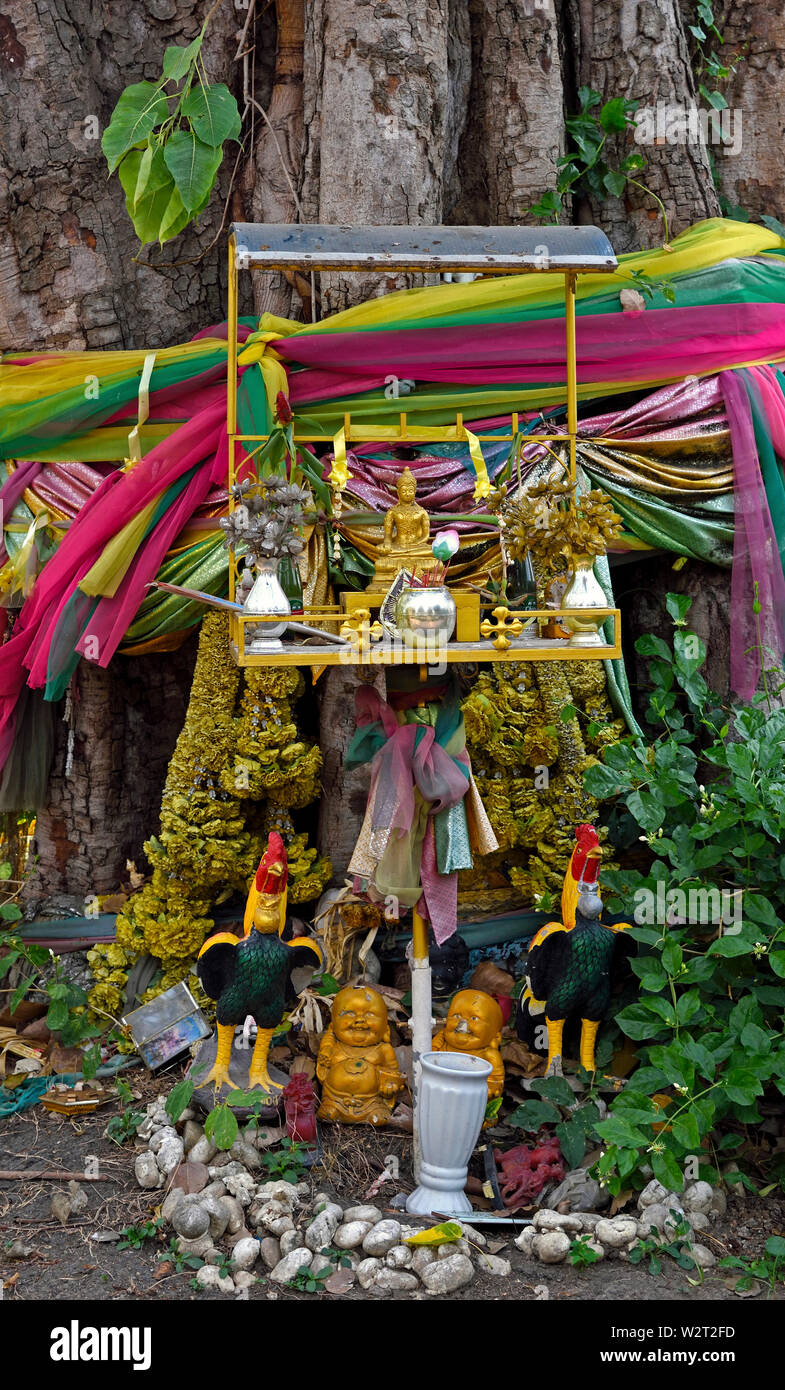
x=167, y=1026
x=389, y=603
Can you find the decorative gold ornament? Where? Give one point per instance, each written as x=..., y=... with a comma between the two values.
x=504, y=627
x=474, y=1026
x=357, y=1065
x=406, y=543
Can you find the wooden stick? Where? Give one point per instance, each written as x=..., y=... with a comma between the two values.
x=12, y=1175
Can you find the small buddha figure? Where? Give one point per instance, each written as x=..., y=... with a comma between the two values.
x=474, y=1024
x=357, y=1065
x=407, y=529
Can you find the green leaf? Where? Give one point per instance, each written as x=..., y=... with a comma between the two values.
x=730, y=946
x=647, y=808
x=178, y=60
x=213, y=114
x=193, y=166
x=532, y=1114
x=678, y=606
x=615, y=182
x=147, y=214
x=615, y=1130
x=5, y=870
x=777, y=963
x=775, y=1245
x=140, y=109
x=685, y=1131
x=178, y=1099
x=572, y=1138
x=57, y=1016
x=556, y=1089
x=221, y=1127
x=667, y=1171
x=10, y=912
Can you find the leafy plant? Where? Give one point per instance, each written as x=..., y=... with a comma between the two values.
x=121, y=1128
x=287, y=1162
x=770, y=1268
x=709, y=914
x=710, y=66
x=134, y=1237
x=574, y=1118
x=221, y=1126
x=180, y=1261
x=581, y=1254
x=179, y=1098
x=585, y=170
x=165, y=141
x=653, y=1246
x=308, y=1282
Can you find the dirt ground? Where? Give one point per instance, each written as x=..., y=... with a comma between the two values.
x=71, y=1261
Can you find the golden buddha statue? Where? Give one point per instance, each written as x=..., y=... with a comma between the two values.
x=474, y=1024
x=406, y=543
x=356, y=1065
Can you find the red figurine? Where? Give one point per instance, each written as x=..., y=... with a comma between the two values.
x=300, y=1104
x=524, y=1171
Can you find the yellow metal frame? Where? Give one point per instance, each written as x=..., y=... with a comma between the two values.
x=373, y=652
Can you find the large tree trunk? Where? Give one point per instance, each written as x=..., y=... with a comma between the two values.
x=68, y=278
x=750, y=160
x=125, y=720
x=515, y=129
x=637, y=49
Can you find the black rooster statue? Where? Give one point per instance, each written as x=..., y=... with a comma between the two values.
x=568, y=968
x=251, y=975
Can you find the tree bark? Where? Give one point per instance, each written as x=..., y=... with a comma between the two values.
x=376, y=110
x=68, y=278
x=750, y=166
x=637, y=49
x=126, y=720
x=515, y=129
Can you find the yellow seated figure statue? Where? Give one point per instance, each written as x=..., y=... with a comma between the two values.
x=474, y=1024
x=357, y=1066
x=406, y=543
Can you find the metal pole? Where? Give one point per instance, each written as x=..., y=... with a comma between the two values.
x=572, y=372
x=231, y=386
x=421, y=1019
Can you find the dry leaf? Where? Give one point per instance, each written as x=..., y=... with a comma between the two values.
x=620, y=1200
x=303, y=1065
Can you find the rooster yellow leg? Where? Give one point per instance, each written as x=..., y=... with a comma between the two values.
x=588, y=1035
x=219, y=1072
x=555, y=1030
x=258, y=1074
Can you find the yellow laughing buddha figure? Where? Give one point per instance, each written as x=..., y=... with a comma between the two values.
x=357, y=1066
x=474, y=1024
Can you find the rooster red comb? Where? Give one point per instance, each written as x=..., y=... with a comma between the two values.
x=587, y=846
x=267, y=881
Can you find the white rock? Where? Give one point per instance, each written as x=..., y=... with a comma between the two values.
x=243, y=1279
x=556, y=1221
x=395, y=1281
x=653, y=1192
x=225, y=1167
x=245, y=1252
x=698, y=1196
x=191, y=1222
x=445, y=1276
x=271, y=1252
x=160, y=1137
x=367, y=1271
x=209, y=1277
x=600, y=1250
x=213, y=1189
x=382, y=1237
x=616, y=1231
x=362, y=1213
x=661, y=1218
x=422, y=1256
x=399, y=1257
x=148, y=1174
x=323, y=1227
x=284, y=1192
x=219, y=1211
x=192, y=1133
x=170, y=1204
x=351, y=1234
x=453, y=1247
x=703, y=1257
x=699, y=1221
x=290, y=1240
x=525, y=1239
x=551, y=1247
x=494, y=1264
x=476, y=1237
x=170, y=1155
x=246, y=1154
x=235, y=1214
x=203, y=1151
x=321, y=1262
x=145, y=1130
x=297, y=1259
x=241, y=1186
x=197, y=1247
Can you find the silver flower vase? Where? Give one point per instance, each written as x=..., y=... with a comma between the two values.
x=583, y=591
x=426, y=616
x=267, y=597
x=453, y=1095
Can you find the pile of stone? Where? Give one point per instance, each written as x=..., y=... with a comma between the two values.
x=661, y=1214
x=274, y=1229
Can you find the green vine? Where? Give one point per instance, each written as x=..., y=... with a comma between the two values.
x=709, y=66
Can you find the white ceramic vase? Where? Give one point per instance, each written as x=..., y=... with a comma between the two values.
x=267, y=596
x=452, y=1098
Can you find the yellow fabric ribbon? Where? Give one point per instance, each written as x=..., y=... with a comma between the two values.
x=339, y=473
x=103, y=580
x=143, y=410
x=257, y=348
x=14, y=575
